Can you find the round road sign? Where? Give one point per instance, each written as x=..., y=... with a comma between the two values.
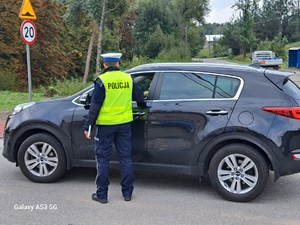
x=28, y=32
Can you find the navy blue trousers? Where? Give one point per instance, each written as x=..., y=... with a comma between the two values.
x=120, y=135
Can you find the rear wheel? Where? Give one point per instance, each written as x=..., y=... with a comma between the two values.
x=238, y=172
x=42, y=159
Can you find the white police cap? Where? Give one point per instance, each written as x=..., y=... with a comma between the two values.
x=111, y=57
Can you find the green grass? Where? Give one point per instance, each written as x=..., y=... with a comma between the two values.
x=8, y=99
x=239, y=59
x=292, y=45
x=204, y=53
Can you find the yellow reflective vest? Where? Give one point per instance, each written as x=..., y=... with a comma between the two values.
x=117, y=105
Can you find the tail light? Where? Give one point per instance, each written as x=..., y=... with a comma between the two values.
x=296, y=154
x=291, y=112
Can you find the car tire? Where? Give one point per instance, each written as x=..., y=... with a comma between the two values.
x=41, y=158
x=238, y=172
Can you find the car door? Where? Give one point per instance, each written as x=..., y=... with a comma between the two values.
x=84, y=148
x=188, y=108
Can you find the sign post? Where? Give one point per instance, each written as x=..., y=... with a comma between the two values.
x=28, y=33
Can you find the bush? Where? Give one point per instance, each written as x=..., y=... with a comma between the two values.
x=7, y=80
x=64, y=87
x=174, y=54
x=125, y=65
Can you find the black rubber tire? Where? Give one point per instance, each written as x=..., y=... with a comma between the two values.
x=57, y=151
x=261, y=173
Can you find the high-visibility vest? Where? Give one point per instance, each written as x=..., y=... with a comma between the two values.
x=117, y=105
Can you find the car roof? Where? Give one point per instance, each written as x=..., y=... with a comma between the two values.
x=203, y=67
x=230, y=69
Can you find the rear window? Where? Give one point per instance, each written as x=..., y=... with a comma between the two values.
x=291, y=89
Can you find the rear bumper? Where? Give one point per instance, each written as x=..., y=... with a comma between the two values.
x=290, y=167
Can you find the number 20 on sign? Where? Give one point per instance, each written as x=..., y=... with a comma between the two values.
x=28, y=32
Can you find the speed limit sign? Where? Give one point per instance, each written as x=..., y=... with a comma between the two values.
x=28, y=32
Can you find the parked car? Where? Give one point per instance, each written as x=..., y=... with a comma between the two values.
x=231, y=123
x=267, y=59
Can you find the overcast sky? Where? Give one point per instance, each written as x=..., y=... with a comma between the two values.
x=221, y=11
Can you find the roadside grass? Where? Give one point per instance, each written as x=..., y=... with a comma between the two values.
x=9, y=99
x=292, y=45
x=239, y=59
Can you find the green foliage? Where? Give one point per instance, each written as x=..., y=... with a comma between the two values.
x=156, y=43
x=204, y=53
x=161, y=27
x=292, y=45
x=136, y=61
x=263, y=27
x=177, y=53
x=63, y=88
x=7, y=78
x=195, y=39
x=52, y=54
x=151, y=14
x=219, y=50
x=240, y=59
x=186, y=11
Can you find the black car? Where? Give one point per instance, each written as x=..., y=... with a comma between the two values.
x=231, y=123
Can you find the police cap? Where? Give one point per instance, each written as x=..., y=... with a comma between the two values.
x=111, y=57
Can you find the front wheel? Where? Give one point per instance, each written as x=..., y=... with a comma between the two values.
x=41, y=158
x=238, y=172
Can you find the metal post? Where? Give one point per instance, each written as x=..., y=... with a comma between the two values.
x=29, y=72
x=209, y=44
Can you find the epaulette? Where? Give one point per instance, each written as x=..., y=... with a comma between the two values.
x=98, y=81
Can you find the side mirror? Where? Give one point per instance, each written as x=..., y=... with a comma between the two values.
x=85, y=99
x=146, y=94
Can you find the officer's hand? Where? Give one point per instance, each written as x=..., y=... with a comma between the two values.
x=87, y=134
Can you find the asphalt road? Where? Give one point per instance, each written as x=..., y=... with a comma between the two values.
x=158, y=199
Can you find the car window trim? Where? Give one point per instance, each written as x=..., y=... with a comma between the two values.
x=161, y=74
x=158, y=78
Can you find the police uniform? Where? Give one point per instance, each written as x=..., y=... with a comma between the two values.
x=111, y=110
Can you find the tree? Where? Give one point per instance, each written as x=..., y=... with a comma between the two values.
x=188, y=12
x=51, y=54
x=150, y=15
x=156, y=43
x=248, y=9
x=267, y=23
x=91, y=9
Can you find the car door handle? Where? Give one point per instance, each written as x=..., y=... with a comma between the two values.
x=139, y=113
x=216, y=112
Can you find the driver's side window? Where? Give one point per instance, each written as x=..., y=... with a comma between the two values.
x=144, y=82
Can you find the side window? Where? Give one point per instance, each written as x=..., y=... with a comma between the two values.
x=177, y=85
x=144, y=82
x=226, y=87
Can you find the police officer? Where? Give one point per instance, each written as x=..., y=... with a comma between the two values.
x=111, y=110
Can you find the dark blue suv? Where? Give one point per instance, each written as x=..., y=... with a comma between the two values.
x=231, y=123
